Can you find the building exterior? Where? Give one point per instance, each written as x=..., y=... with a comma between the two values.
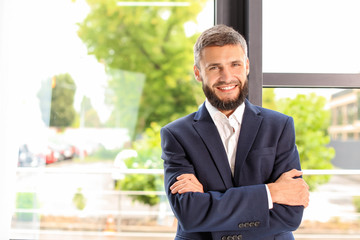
x=344, y=128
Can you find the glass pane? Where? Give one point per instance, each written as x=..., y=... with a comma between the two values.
x=97, y=80
x=326, y=125
x=314, y=36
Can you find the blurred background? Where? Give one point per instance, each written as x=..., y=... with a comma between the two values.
x=87, y=85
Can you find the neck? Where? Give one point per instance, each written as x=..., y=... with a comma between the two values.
x=227, y=112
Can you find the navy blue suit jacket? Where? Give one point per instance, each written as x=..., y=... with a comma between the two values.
x=231, y=207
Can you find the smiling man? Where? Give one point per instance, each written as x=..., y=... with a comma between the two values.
x=232, y=169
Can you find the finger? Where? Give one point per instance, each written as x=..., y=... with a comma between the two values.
x=187, y=188
x=179, y=182
x=185, y=176
x=177, y=188
x=294, y=173
x=184, y=188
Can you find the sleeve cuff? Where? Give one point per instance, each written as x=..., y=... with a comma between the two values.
x=270, y=202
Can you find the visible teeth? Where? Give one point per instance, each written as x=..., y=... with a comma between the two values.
x=227, y=88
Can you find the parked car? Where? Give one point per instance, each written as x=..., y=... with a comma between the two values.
x=60, y=152
x=52, y=155
x=28, y=158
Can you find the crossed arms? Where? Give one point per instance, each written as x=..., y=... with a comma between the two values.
x=201, y=210
x=288, y=189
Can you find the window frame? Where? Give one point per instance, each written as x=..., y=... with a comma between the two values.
x=248, y=21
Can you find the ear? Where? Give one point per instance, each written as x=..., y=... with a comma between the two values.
x=247, y=66
x=197, y=74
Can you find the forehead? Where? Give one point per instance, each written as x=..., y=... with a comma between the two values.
x=222, y=53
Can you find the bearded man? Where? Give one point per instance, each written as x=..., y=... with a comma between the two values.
x=232, y=169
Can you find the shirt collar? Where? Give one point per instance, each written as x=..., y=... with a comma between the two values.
x=213, y=111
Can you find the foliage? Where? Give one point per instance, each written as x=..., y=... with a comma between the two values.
x=79, y=199
x=105, y=154
x=311, y=123
x=146, y=40
x=356, y=202
x=26, y=200
x=56, y=100
x=269, y=98
x=89, y=116
x=149, y=152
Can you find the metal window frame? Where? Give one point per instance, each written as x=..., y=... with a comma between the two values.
x=246, y=17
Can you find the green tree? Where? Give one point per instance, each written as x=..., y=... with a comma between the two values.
x=56, y=97
x=311, y=123
x=125, y=92
x=150, y=40
x=89, y=117
x=268, y=98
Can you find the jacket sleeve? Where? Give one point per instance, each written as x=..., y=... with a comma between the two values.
x=236, y=209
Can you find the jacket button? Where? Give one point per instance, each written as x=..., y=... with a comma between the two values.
x=241, y=225
x=239, y=237
x=252, y=224
x=247, y=225
x=257, y=224
x=223, y=238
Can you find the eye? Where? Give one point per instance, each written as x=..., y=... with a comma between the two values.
x=213, y=68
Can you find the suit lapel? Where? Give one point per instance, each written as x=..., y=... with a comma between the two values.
x=249, y=129
x=208, y=132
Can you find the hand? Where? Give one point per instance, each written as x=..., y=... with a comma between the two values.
x=289, y=190
x=186, y=183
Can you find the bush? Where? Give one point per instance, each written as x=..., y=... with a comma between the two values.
x=356, y=202
x=149, y=152
x=26, y=200
x=79, y=200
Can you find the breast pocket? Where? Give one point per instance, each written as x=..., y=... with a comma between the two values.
x=259, y=164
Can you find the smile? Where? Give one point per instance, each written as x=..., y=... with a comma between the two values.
x=227, y=88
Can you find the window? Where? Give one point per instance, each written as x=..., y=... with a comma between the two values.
x=94, y=80
x=290, y=58
x=298, y=68
x=307, y=37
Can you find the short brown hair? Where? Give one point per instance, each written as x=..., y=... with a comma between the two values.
x=218, y=35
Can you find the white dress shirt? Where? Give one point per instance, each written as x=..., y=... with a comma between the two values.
x=229, y=130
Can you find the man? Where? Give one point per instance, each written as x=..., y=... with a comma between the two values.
x=231, y=168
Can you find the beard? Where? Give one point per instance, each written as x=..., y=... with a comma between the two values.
x=226, y=105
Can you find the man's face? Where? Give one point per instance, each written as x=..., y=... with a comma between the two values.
x=223, y=73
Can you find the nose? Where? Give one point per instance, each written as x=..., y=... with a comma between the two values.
x=226, y=74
